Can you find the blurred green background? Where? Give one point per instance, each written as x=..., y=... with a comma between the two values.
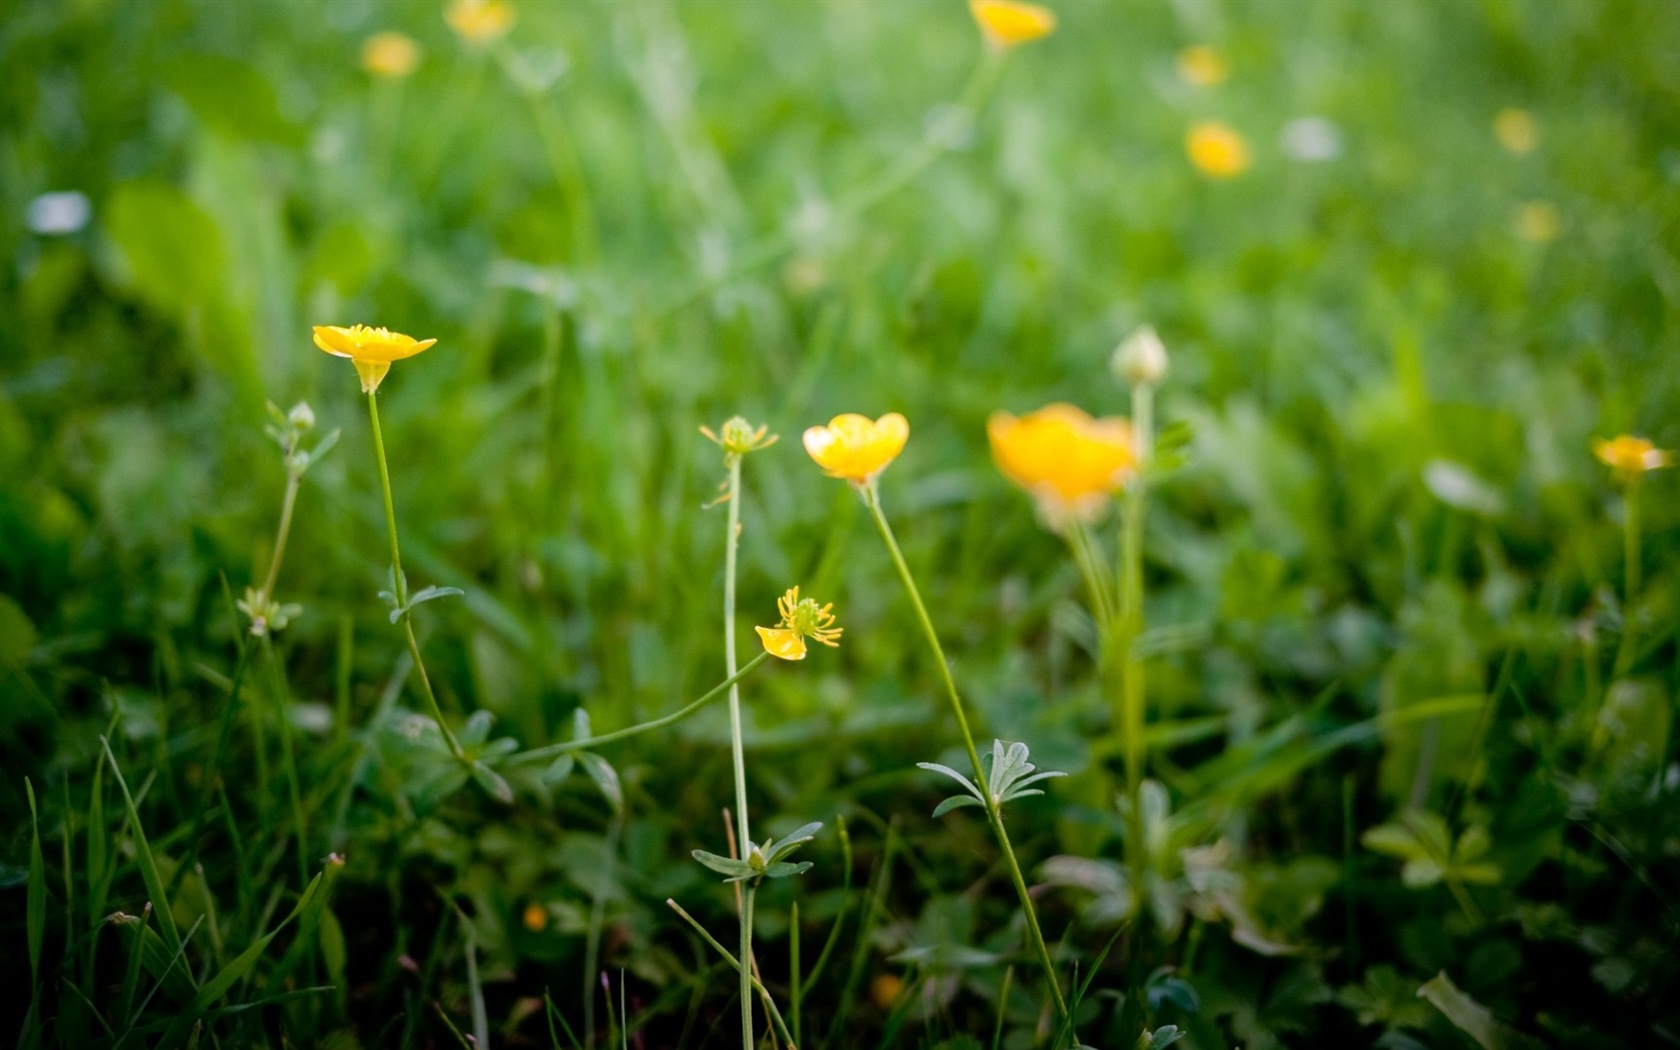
x=1393, y=338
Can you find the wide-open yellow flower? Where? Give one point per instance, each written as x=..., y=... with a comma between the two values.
x=801, y=619
x=1217, y=150
x=1006, y=23
x=371, y=350
x=479, y=21
x=857, y=448
x=1069, y=462
x=393, y=55
x=1631, y=456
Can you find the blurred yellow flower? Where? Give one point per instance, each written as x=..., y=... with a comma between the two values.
x=857, y=448
x=1631, y=456
x=536, y=917
x=801, y=619
x=390, y=54
x=884, y=990
x=1516, y=130
x=1538, y=222
x=1069, y=462
x=479, y=21
x=1217, y=150
x=371, y=350
x=1006, y=23
x=1202, y=66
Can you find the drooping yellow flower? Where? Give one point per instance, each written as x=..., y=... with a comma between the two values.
x=390, y=54
x=371, y=350
x=1069, y=462
x=857, y=448
x=1006, y=23
x=1516, y=130
x=479, y=21
x=1202, y=66
x=801, y=619
x=1538, y=222
x=1217, y=150
x=1631, y=456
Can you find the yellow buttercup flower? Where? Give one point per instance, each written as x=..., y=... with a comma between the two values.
x=536, y=917
x=1068, y=461
x=1202, y=66
x=1516, y=130
x=479, y=21
x=801, y=619
x=392, y=55
x=1006, y=23
x=857, y=448
x=1631, y=456
x=1538, y=222
x=371, y=350
x=1217, y=150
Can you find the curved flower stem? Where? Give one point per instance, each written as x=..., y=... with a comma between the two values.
x=400, y=583
x=678, y=715
x=732, y=500
x=1630, y=575
x=871, y=498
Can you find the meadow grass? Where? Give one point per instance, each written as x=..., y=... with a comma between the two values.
x=1404, y=772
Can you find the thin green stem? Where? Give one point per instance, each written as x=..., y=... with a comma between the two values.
x=871, y=498
x=400, y=583
x=1132, y=697
x=744, y=966
x=293, y=481
x=1630, y=577
x=716, y=691
x=775, y=1014
x=732, y=501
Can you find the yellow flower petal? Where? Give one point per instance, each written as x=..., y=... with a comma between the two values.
x=1006, y=23
x=371, y=350
x=1631, y=456
x=782, y=643
x=479, y=21
x=1068, y=461
x=390, y=54
x=855, y=447
x=1217, y=150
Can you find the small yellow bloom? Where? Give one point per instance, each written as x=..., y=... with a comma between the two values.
x=536, y=917
x=371, y=350
x=1217, y=150
x=1006, y=23
x=1202, y=66
x=801, y=619
x=1516, y=130
x=1631, y=456
x=884, y=990
x=393, y=55
x=855, y=448
x=1068, y=461
x=479, y=21
x=1538, y=222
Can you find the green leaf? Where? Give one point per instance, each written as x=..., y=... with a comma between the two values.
x=143, y=858
x=432, y=594
x=781, y=869
x=560, y=769
x=493, y=783
x=171, y=247
x=1471, y=1017
x=232, y=98
x=956, y=802
x=477, y=729
x=735, y=870
x=147, y=950
x=605, y=777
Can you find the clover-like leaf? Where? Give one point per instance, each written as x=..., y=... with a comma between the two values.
x=1009, y=775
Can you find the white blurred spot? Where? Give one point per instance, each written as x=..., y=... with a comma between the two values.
x=54, y=214
x=1454, y=485
x=1311, y=139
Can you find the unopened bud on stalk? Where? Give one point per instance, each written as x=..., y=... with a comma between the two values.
x=301, y=416
x=1140, y=358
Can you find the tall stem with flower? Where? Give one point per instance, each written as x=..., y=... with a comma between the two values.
x=1630, y=458
x=856, y=449
x=737, y=437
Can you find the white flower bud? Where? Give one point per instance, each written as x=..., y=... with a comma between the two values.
x=1140, y=358
x=301, y=416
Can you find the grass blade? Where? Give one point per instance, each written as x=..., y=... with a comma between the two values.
x=143, y=857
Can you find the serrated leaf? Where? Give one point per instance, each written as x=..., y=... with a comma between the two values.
x=955, y=802
x=605, y=778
